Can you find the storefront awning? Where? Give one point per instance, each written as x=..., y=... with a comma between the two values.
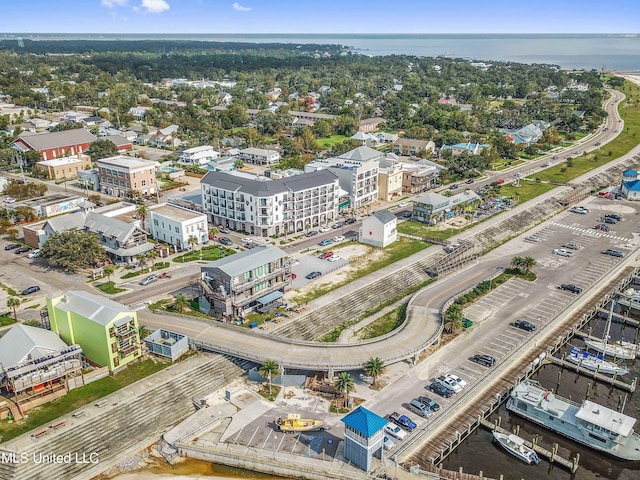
x=272, y=297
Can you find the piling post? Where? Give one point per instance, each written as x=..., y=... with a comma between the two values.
x=554, y=451
x=534, y=440
x=517, y=429
x=499, y=421
x=576, y=460
x=588, y=389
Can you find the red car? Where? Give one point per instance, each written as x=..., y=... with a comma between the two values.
x=602, y=226
x=501, y=181
x=326, y=255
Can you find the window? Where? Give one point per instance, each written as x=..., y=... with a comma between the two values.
x=144, y=183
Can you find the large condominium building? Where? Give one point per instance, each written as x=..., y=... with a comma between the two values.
x=121, y=175
x=357, y=171
x=265, y=207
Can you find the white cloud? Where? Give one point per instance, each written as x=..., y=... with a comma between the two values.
x=240, y=8
x=113, y=3
x=155, y=6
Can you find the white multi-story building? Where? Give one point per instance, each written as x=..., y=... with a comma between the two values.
x=357, y=171
x=175, y=225
x=198, y=155
x=259, y=156
x=265, y=207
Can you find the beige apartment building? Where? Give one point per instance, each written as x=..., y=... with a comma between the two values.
x=65, y=167
x=121, y=175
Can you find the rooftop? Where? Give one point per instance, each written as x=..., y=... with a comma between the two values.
x=57, y=162
x=246, y=261
x=175, y=212
x=23, y=343
x=96, y=308
x=63, y=138
x=364, y=421
x=123, y=161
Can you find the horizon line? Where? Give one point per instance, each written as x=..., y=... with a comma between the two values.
x=321, y=33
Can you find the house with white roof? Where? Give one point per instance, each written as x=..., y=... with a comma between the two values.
x=198, y=155
x=259, y=156
x=175, y=225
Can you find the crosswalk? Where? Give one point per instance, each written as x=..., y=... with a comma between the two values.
x=592, y=232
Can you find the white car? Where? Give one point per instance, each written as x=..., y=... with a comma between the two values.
x=335, y=258
x=325, y=229
x=404, y=204
x=9, y=200
x=246, y=240
x=563, y=252
x=450, y=383
x=34, y=254
x=388, y=443
x=457, y=379
x=338, y=238
x=532, y=238
x=395, y=431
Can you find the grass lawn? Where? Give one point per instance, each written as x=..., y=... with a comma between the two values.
x=6, y=320
x=385, y=324
x=80, y=397
x=402, y=248
x=623, y=143
x=269, y=392
x=135, y=273
x=109, y=288
x=209, y=253
x=503, y=165
x=422, y=230
x=329, y=142
x=526, y=191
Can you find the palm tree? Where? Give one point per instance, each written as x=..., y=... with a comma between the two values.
x=142, y=260
x=517, y=263
x=213, y=232
x=374, y=368
x=453, y=318
x=344, y=385
x=192, y=240
x=108, y=271
x=142, y=211
x=143, y=332
x=14, y=303
x=180, y=303
x=528, y=263
x=268, y=370
x=152, y=255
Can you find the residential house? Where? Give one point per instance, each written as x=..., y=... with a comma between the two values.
x=121, y=175
x=310, y=116
x=198, y=155
x=369, y=125
x=89, y=179
x=56, y=144
x=259, y=156
x=122, y=240
x=36, y=366
x=122, y=143
x=106, y=330
x=418, y=177
x=265, y=207
x=175, y=225
x=366, y=139
x=64, y=168
x=412, y=146
x=460, y=148
x=139, y=112
x=379, y=229
x=253, y=280
x=384, y=137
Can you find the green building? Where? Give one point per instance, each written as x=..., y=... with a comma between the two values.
x=106, y=330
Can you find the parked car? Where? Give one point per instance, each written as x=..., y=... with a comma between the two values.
x=484, y=360
x=11, y=246
x=571, y=246
x=403, y=204
x=325, y=242
x=149, y=279
x=22, y=250
x=246, y=240
x=34, y=254
x=429, y=403
x=225, y=241
x=470, y=181
x=387, y=443
x=337, y=225
x=453, y=186
x=334, y=258
x=395, y=431
x=30, y=290
x=532, y=238
x=403, y=421
x=312, y=233
x=440, y=390
x=614, y=252
x=580, y=210
x=223, y=229
x=312, y=275
x=609, y=220
x=326, y=255
x=570, y=287
x=407, y=215
x=420, y=408
x=602, y=227
x=457, y=379
x=9, y=200
x=350, y=221
x=325, y=229
x=563, y=252
x=338, y=238
x=615, y=216
x=450, y=383
x=524, y=325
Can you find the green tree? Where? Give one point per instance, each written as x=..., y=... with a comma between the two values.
x=192, y=240
x=142, y=259
x=238, y=164
x=152, y=255
x=453, y=318
x=374, y=368
x=268, y=370
x=109, y=270
x=102, y=148
x=73, y=250
x=344, y=384
x=528, y=263
x=142, y=212
x=180, y=303
x=517, y=263
x=14, y=303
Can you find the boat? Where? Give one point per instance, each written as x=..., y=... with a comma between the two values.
x=595, y=363
x=630, y=299
x=621, y=350
x=516, y=447
x=293, y=423
x=589, y=423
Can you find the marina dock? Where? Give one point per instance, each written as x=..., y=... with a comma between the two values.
x=616, y=318
x=611, y=380
x=551, y=455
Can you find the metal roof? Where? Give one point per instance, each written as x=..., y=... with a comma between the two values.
x=385, y=216
x=267, y=187
x=23, y=343
x=96, y=308
x=606, y=418
x=364, y=421
x=64, y=138
x=246, y=261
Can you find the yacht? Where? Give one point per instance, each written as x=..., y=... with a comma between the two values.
x=621, y=349
x=595, y=363
x=516, y=447
x=589, y=423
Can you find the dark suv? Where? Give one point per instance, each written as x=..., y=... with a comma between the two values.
x=615, y=216
x=570, y=287
x=484, y=360
x=614, y=253
x=524, y=325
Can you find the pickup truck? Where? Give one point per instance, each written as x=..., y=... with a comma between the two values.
x=403, y=421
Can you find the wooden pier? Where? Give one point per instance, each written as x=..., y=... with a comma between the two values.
x=617, y=318
x=551, y=455
x=611, y=380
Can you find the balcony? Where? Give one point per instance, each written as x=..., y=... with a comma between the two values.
x=248, y=284
x=127, y=349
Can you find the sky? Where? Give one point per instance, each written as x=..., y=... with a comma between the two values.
x=320, y=16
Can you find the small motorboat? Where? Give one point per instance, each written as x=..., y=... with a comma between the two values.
x=293, y=424
x=516, y=447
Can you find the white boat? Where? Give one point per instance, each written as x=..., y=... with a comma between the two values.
x=516, y=447
x=595, y=363
x=621, y=350
x=589, y=423
x=630, y=299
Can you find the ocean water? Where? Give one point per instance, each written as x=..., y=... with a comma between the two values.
x=615, y=52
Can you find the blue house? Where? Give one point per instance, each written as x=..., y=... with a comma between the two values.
x=363, y=437
x=630, y=186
